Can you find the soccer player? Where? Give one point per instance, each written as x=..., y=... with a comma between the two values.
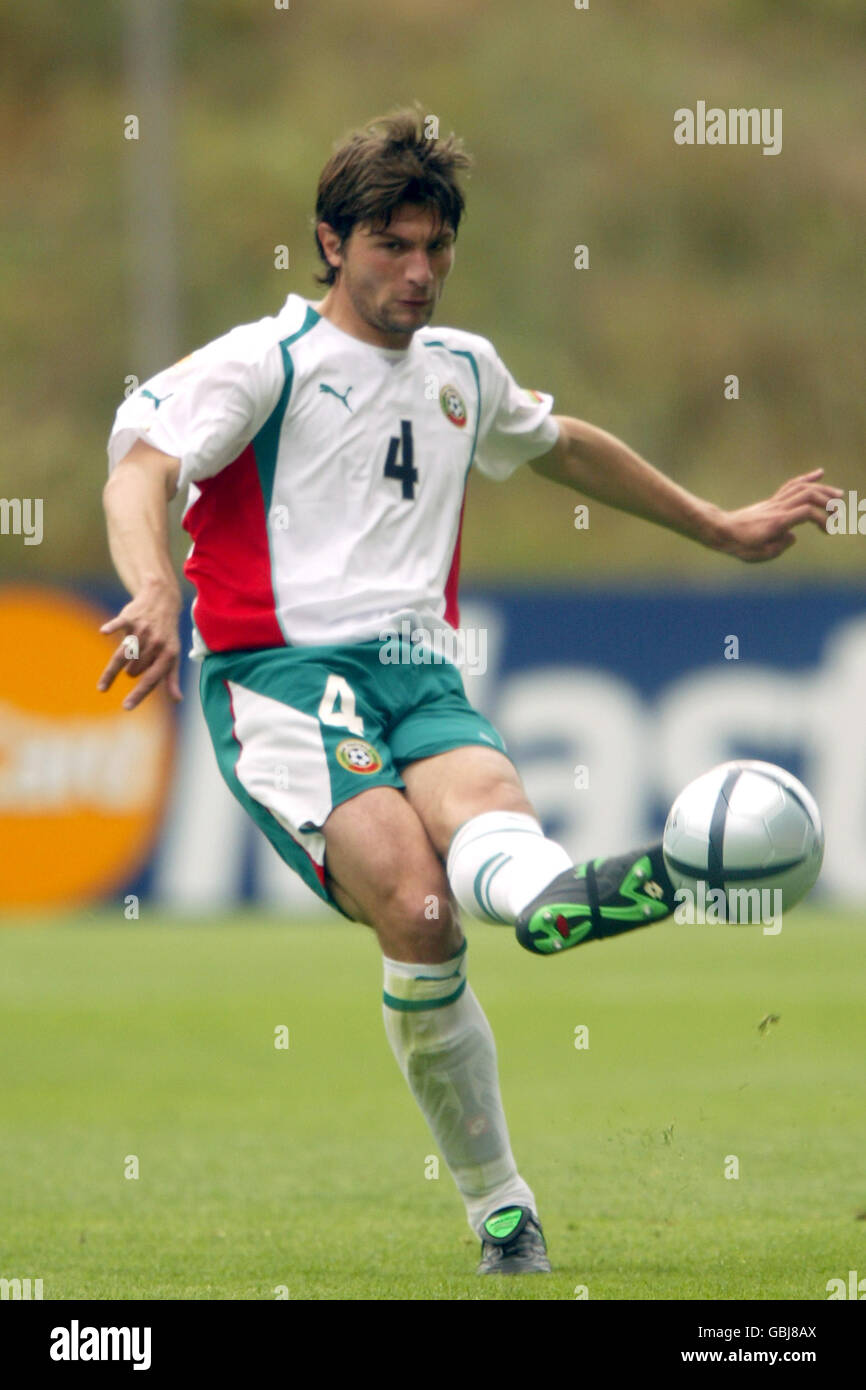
x=326, y=452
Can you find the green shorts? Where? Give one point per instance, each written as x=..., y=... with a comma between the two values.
x=299, y=730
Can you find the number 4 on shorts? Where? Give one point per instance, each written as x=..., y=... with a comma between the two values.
x=337, y=688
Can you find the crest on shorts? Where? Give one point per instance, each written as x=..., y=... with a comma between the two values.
x=357, y=755
x=453, y=405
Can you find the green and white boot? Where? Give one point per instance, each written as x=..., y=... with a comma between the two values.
x=600, y=898
x=512, y=1242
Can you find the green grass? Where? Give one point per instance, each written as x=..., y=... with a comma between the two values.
x=305, y=1167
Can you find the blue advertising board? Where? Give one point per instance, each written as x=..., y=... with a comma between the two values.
x=609, y=702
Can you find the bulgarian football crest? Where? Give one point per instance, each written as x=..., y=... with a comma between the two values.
x=453, y=405
x=357, y=755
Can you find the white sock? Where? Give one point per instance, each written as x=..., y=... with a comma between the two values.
x=499, y=861
x=445, y=1049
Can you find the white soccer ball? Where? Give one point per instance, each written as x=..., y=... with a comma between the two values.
x=745, y=825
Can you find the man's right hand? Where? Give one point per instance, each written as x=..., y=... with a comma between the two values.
x=151, y=619
x=136, y=500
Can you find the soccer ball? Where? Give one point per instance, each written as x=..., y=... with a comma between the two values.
x=744, y=826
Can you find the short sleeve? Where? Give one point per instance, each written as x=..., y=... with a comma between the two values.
x=516, y=425
x=206, y=408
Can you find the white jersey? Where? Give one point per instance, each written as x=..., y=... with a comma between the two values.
x=327, y=476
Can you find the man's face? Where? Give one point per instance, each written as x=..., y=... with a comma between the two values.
x=394, y=278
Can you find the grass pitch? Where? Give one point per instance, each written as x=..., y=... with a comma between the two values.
x=266, y=1171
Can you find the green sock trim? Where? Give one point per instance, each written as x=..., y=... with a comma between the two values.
x=412, y=1006
x=482, y=889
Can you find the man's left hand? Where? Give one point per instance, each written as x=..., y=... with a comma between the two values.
x=764, y=530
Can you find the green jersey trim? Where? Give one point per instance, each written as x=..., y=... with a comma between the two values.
x=470, y=357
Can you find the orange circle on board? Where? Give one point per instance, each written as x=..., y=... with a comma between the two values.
x=82, y=781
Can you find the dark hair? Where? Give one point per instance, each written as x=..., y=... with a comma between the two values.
x=390, y=161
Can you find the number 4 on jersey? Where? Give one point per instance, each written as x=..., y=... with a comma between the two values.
x=403, y=471
x=338, y=688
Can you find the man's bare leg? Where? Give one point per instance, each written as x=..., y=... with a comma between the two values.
x=384, y=870
x=501, y=867
x=477, y=814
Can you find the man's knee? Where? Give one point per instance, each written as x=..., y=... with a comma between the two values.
x=383, y=870
x=398, y=886
x=415, y=920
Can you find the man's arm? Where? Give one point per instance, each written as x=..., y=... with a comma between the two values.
x=597, y=464
x=136, y=499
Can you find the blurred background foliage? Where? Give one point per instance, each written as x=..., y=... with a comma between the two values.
x=703, y=261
